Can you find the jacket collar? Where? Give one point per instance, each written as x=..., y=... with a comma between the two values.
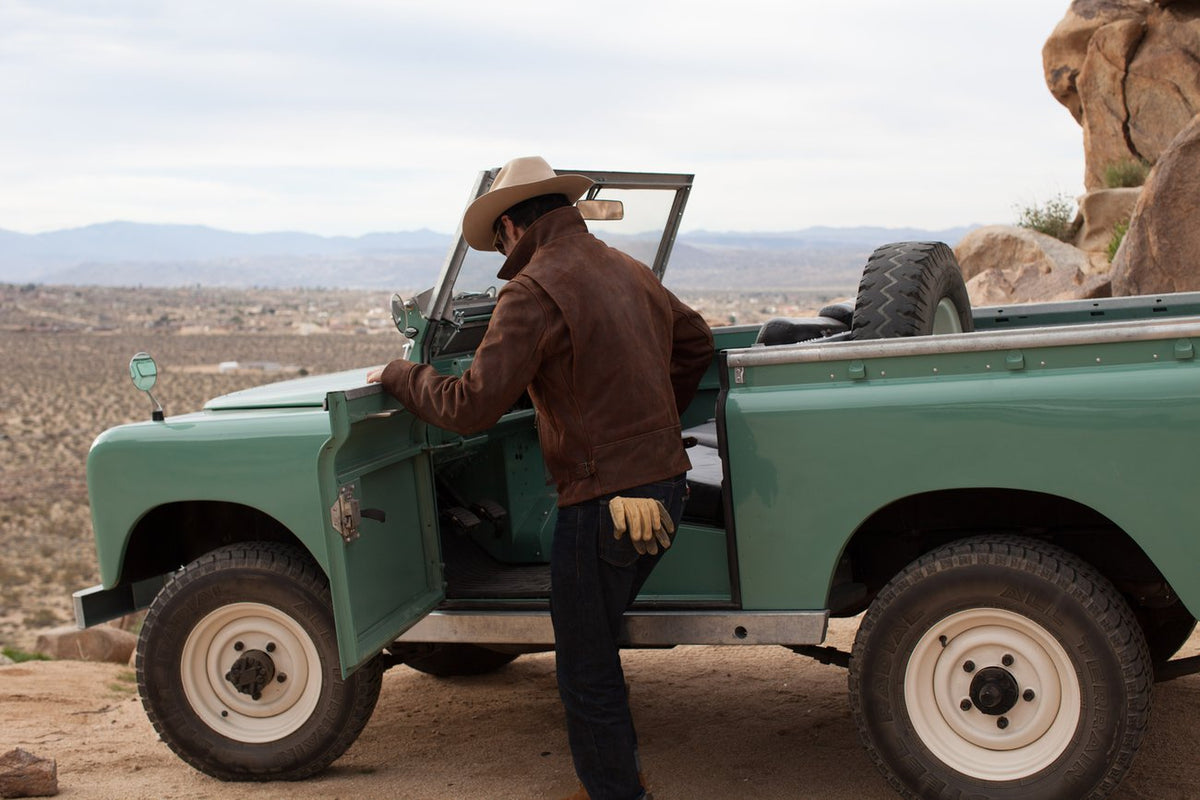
x=555, y=225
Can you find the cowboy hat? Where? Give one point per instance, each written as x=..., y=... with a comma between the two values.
x=518, y=180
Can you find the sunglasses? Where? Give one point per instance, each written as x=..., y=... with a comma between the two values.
x=498, y=239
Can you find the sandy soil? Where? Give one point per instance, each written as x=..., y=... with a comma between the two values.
x=714, y=723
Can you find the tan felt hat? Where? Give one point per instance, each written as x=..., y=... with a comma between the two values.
x=519, y=179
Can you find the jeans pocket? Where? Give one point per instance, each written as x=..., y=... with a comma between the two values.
x=618, y=552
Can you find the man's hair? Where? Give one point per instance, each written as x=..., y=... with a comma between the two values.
x=525, y=212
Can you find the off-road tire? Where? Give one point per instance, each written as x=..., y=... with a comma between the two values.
x=268, y=602
x=454, y=660
x=944, y=634
x=911, y=289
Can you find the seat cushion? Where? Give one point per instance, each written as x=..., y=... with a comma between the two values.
x=782, y=330
x=704, y=480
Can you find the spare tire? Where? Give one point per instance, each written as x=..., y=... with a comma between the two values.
x=911, y=289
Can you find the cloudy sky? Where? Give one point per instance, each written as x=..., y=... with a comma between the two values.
x=374, y=115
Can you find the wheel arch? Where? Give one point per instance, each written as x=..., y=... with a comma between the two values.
x=174, y=534
x=909, y=527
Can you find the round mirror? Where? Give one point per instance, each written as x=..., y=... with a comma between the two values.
x=401, y=311
x=399, y=316
x=143, y=371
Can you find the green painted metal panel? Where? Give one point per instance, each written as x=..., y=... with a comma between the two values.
x=307, y=391
x=816, y=448
x=265, y=462
x=388, y=576
x=695, y=569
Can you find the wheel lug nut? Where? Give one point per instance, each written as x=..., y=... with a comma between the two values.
x=965, y=705
x=1028, y=695
x=969, y=666
x=1002, y=723
x=1007, y=660
x=239, y=646
x=270, y=647
x=281, y=677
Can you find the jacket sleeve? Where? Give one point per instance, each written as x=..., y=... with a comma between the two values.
x=504, y=365
x=691, y=352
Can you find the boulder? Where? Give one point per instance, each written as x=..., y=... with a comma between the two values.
x=5, y=660
x=1067, y=47
x=101, y=643
x=1161, y=250
x=22, y=774
x=1103, y=93
x=1004, y=265
x=1100, y=212
x=1162, y=87
x=1129, y=72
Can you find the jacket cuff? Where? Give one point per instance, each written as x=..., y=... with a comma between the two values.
x=395, y=378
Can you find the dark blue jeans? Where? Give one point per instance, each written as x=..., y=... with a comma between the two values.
x=594, y=578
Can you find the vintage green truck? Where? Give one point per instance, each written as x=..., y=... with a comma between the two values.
x=1006, y=501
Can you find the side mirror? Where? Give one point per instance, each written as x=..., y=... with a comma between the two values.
x=144, y=373
x=601, y=210
x=401, y=309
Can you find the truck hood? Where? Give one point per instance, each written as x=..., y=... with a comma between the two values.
x=298, y=393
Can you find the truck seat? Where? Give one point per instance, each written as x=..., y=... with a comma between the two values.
x=705, y=503
x=783, y=330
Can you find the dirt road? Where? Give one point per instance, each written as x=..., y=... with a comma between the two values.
x=714, y=722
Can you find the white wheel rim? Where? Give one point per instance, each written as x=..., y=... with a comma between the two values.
x=216, y=643
x=948, y=661
x=945, y=317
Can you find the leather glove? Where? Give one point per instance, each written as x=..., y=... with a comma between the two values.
x=646, y=520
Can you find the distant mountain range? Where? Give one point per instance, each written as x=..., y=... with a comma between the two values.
x=135, y=254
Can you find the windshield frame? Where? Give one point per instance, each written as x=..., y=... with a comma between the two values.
x=441, y=300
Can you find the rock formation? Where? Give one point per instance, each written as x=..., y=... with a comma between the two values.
x=1129, y=73
x=101, y=643
x=1005, y=265
x=1161, y=250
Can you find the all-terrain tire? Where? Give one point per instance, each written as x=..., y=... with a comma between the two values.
x=911, y=289
x=1001, y=667
x=453, y=660
x=238, y=667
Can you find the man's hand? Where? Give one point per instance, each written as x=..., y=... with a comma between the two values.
x=375, y=375
x=646, y=520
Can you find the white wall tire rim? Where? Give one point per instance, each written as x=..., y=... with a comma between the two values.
x=209, y=652
x=1035, y=733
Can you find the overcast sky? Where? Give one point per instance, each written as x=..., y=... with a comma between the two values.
x=374, y=115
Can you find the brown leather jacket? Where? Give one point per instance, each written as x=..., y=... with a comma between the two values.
x=610, y=358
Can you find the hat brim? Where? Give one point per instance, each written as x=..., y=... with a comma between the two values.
x=481, y=215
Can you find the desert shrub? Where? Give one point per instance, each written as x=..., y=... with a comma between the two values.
x=1055, y=217
x=1118, y=236
x=1127, y=173
x=20, y=655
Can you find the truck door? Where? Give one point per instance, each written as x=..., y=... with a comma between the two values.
x=382, y=540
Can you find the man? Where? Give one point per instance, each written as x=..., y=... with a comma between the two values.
x=610, y=359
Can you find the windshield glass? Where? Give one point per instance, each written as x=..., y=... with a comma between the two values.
x=639, y=233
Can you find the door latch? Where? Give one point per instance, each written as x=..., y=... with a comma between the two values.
x=345, y=514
